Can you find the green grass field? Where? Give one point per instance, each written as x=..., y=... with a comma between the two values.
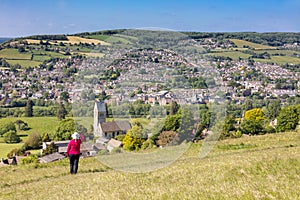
x=257, y=167
x=232, y=54
x=14, y=54
x=37, y=124
x=242, y=43
x=280, y=60
x=25, y=63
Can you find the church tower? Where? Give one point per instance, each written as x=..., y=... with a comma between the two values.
x=99, y=115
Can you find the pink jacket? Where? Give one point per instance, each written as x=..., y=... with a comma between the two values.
x=74, y=147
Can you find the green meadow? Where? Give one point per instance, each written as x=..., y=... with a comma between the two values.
x=40, y=125
x=242, y=43
x=256, y=167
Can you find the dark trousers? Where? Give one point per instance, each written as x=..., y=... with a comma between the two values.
x=74, y=159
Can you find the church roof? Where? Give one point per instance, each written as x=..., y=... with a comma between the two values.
x=115, y=126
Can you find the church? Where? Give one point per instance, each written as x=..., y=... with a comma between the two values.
x=105, y=129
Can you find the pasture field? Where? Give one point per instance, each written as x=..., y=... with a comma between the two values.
x=25, y=63
x=242, y=43
x=256, y=167
x=274, y=52
x=232, y=54
x=41, y=58
x=111, y=39
x=281, y=60
x=14, y=54
x=37, y=124
x=92, y=54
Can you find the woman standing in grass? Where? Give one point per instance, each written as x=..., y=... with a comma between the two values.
x=73, y=152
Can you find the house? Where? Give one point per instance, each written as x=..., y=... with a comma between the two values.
x=90, y=149
x=105, y=129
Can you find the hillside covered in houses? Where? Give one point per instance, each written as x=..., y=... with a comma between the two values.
x=169, y=87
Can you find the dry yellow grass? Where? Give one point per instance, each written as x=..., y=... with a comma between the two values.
x=259, y=167
x=91, y=54
x=71, y=40
x=77, y=40
x=31, y=41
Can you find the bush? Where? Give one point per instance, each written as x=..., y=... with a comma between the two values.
x=7, y=127
x=148, y=144
x=269, y=129
x=120, y=137
x=11, y=137
x=251, y=127
x=29, y=159
x=166, y=138
x=16, y=151
x=50, y=149
x=34, y=141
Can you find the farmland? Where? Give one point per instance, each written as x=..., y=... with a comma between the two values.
x=243, y=43
x=235, y=55
x=258, y=167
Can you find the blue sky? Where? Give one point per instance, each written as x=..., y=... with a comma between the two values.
x=21, y=18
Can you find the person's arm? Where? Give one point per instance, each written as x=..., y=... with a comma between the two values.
x=68, y=149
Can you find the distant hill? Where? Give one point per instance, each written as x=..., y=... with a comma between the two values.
x=4, y=39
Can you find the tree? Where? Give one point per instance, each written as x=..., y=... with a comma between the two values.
x=287, y=119
x=22, y=125
x=29, y=108
x=34, y=141
x=64, y=130
x=166, y=138
x=172, y=122
x=248, y=105
x=64, y=96
x=273, y=109
x=11, y=137
x=62, y=112
x=51, y=148
x=187, y=124
x=133, y=139
x=174, y=108
x=7, y=127
x=46, y=138
x=255, y=114
x=251, y=127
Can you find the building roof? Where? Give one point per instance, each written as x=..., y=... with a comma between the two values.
x=114, y=143
x=115, y=126
x=51, y=157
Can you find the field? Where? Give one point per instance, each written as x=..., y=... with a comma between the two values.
x=25, y=63
x=279, y=57
x=115, y=39
x=257, y=167
x=37, y=124
x=242, y=43
x=280, y=60
x=14, y=54
x=235, y=55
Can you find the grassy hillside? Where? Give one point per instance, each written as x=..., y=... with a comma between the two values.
x=258, y=167
x=242, y=43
